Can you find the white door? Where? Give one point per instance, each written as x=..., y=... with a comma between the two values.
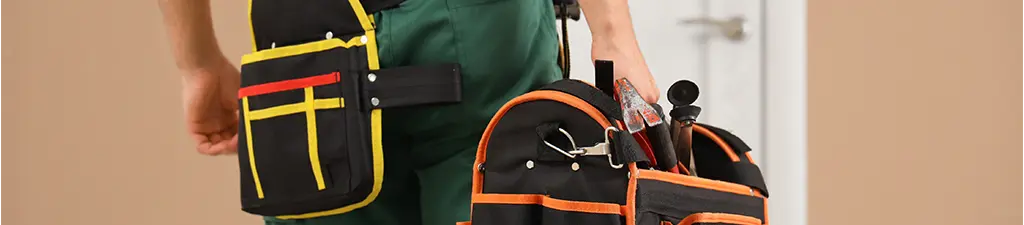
x=753, y=89
x=679, y=40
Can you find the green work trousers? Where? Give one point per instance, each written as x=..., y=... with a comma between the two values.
x=505, y=48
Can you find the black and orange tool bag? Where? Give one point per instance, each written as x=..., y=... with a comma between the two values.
x=559, y=156
x=312, y=99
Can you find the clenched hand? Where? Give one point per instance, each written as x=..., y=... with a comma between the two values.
x=211, y=108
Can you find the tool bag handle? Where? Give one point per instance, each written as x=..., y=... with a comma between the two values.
x=603, y=102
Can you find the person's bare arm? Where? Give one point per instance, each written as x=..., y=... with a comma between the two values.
x=614, y=39
x=189, y=26
x=210, y=81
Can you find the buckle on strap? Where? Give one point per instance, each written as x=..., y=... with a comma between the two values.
x=413, y=85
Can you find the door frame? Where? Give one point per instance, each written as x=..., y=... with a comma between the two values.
x=785, y=108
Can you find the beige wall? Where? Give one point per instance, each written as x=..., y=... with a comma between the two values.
x=94, y=134
x=913, y=112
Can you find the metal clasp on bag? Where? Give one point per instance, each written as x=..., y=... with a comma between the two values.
x=601, y=148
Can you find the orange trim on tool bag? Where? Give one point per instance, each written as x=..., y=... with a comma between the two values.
x=286, y=85
x=558, y=204
x=666, y=223
x=717, y=140
x=765, y=211
x=719, y=218
x=630, y=208
x=751, y=158
x=528, y=97
x=693, y=181
x=464, y=223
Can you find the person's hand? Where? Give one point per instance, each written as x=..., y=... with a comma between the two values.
x=629, y=64
x=211, y=107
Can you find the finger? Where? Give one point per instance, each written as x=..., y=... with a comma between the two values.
x=216, y=138
x=651, y=98
x=231, y=141
x=206, y=148
x=199, y=138
x=233, y=144
x=219, y=148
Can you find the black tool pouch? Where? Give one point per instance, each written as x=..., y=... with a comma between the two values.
x=561, y=155
x=311, y=112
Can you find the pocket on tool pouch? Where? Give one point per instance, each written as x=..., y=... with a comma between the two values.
x=513, y=209
x=307, y=147
x=719, y=218
x=684, y=199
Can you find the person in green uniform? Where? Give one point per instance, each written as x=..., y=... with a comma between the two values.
x=505, y=48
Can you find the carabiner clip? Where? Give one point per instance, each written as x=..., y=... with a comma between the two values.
x=601, y=148
x=571, y=141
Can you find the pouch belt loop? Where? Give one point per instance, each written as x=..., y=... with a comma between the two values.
x=413, y=85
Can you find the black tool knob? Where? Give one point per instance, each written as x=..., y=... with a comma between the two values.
x=682, y=93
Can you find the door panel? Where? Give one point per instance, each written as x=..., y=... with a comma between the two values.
x=734, y=83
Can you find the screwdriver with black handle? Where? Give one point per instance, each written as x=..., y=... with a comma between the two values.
x=684, y=114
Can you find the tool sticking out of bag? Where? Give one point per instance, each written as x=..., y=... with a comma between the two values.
x=635, y=111
x=684, y=114
x=645, y=122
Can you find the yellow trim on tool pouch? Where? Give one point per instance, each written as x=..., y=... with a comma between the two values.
x=314, y=153
x=248, y=144
x=364, y=19
x=371, y=43
x=316, y=46
x=378, y=173
x=375, y=124
x=281, y=110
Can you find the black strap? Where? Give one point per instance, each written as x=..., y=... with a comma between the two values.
x=595, y=97
x=750, y=175
x=413, y=85
x=563, y=9
x=626, y=149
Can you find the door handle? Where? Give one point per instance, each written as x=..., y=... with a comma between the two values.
x=732, y=28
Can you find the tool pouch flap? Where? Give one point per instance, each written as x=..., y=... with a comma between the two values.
x=310, y=124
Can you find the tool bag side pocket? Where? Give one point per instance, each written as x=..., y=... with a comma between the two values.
x=307, y=146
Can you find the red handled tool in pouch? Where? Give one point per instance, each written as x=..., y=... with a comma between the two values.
x=644, y=121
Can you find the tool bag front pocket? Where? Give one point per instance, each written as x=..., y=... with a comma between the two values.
x=308, y=146
x=536, y=209
x=719, y=218
x=682, y=199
